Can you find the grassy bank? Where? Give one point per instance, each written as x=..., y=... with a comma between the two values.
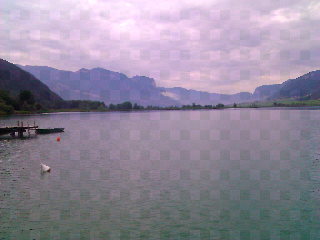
x=281, y=103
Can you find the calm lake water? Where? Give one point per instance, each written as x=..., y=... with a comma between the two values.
x=209, y=174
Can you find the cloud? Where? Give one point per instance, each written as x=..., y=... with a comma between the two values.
x=214, y=46
x=171, y=95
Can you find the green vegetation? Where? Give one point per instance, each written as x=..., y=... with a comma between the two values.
x=81, y=105
x=26, y=96
x=25, y=103
x=281, y=103
x=7, y=105
x=185, y=107
x=198, y=106
x=124, y=106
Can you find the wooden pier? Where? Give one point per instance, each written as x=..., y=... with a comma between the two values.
x=18, y=129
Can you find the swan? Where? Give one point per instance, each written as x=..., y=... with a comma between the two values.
x=44, y=168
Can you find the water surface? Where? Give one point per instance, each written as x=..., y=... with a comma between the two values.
x=209, y=174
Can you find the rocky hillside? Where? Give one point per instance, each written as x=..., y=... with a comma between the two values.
x=300, y=87
x=102, y=85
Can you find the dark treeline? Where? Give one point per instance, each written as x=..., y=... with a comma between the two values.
x=122, y=106
x=85, y=105
x=7, y=104
x=193, y=106
x=296, y=104
x=25, y=103
x=198, y=106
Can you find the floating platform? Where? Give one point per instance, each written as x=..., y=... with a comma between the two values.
x=49, y=130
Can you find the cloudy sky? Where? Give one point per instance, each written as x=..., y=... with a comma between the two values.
x=222, y=46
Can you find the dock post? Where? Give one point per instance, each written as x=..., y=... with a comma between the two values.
x=35, y=129
x=18, y=123
x=20, y=131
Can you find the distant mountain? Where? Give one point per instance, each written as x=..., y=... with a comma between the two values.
x=300, y=87
x=14, y=79
x=265, y=91
x=306, y=85
x=187, y=97
x=102, y=85
x=113, y=87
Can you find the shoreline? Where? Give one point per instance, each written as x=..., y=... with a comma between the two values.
x=160, y=109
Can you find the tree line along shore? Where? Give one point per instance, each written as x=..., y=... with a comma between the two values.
x=26, y=104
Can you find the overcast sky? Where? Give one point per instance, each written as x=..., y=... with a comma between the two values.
x=216, y=45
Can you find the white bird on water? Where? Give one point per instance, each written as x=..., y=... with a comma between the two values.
x=44, y=168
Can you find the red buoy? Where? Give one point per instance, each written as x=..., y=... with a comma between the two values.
x=58, y=139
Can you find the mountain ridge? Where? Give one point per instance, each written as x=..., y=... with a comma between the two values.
x=299, y=87
x=103, y=85
x=114, y=87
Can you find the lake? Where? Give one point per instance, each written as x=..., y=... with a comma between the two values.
x=202, y=174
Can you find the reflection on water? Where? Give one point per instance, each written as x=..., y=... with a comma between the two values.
x=231, y=174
